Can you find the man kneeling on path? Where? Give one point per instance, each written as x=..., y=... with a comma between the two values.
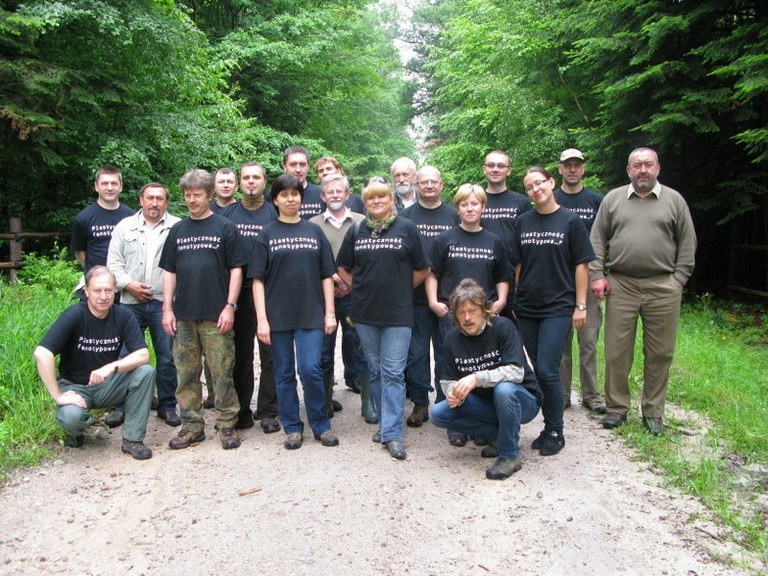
x=89, y=337
x=490, y=387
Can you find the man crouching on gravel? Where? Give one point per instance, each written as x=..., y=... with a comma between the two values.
x=89, y=337
x=490, y=387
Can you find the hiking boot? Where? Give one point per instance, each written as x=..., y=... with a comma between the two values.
x=136, y=449
x=613, y=420
x=74, y=441
x=185, y=439
x=419, y=415
x=552, y=444
x=293, y=441
x=114, y=418
x=270, y=425
x=229, y=438
x=170, y=417
x=396, y=449
x=327, y=438
x=536, y=444
x=503, y=468
x=490, y=451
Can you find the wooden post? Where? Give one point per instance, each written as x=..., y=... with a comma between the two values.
x=16, y=250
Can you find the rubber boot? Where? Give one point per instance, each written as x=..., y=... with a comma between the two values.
x=367, y=407
x=328, y=383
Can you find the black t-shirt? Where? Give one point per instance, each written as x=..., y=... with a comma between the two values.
x=249, y=223
x=382, y=272
x=584, y=203
x=92, y=232
x=548, y=247
x=292, y=260
x=431, y=222
x=498, y=345
x=501, y=211
x=201, y=253
x=458, y=254
x=87, y=343
x=355, y=203
x=312, y=204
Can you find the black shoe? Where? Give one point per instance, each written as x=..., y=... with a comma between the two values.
x=396, y=449
x=376, y=438
x=503, y=468
x=114, y=418
x=481, y=441
x=74, y=441
x=419, y=415
x=136, y=449
x=552, y=444
x=353, y=384
x=490, y=451
x=244, y=421
x=457, y=440
x=613, y=420
x=653, y=425
x=270, y=425
x=337, y=407
x=536, y=444
x=170, y=417
x=596, y=407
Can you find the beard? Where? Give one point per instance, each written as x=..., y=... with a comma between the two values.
x=403, y=190
x=336, y=206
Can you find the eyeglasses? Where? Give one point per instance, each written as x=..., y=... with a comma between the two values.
x=535, y=184
x=493, y=165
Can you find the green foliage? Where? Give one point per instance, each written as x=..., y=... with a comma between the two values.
x=57, y=273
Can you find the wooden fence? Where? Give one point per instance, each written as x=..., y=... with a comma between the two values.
x=16, y=237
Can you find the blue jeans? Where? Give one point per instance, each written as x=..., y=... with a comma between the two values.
x=544, y=339
x=417, y=377
x=309, y=346
x=386, y=348
x=498, y=418
x=150, y=315
x=351, y=350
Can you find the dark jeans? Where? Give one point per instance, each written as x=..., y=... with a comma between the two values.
x=426, y=327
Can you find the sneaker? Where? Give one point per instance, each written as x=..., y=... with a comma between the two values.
x=503, y=468
x=328, y=438
x=136, y=449
x=490, y=451
x=552, y=444
x=396, y=449
x=74, y=441
x=419, y=415
x=229, y=438
x=114, y=418
x=185, y=439
x=536, y=444
x=293, y=441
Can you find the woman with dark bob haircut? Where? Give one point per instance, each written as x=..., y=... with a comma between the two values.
x=292, y=268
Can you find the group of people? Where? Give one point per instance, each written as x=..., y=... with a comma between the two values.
x=494, y=285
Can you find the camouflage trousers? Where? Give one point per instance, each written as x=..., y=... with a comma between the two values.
x=195, y=339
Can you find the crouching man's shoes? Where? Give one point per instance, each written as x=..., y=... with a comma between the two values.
x=114, y=418
x=136, y=449
x=503, y=468
x=653, y=425
x=614, y=420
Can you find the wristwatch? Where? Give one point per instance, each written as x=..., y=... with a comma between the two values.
x=232, y=305
x=581, y=307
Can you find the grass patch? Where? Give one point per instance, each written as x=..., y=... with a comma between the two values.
x=715, y=445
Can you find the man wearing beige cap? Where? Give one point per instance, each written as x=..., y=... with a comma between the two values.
x=584, y=202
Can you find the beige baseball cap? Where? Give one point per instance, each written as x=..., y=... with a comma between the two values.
x=571, y=153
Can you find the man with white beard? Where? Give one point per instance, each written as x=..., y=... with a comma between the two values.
x=403, y=171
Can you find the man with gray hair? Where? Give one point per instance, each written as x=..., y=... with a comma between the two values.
x=202, y=256
x=403, y=171
x=644, y=235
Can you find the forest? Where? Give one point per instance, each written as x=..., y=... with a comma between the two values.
x=157, y=87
